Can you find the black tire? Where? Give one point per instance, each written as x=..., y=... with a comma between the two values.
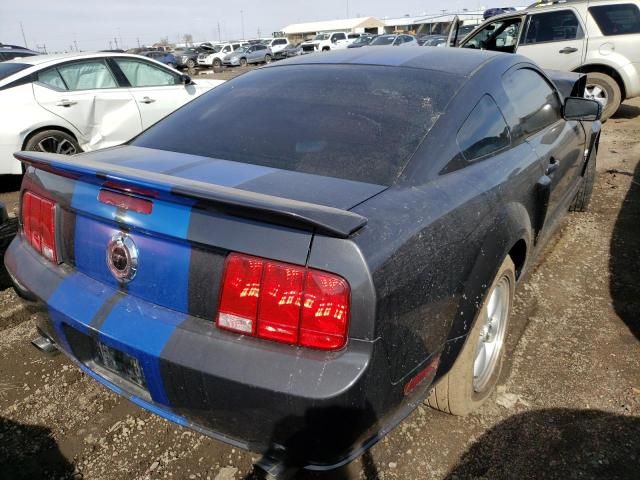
x=606, y=87
x=325, y=49
x=267, y=59
x=191, y=64
x=455, y=392
x=243, y=62
x=583, y=197
x=53, y=141
x=217, y=63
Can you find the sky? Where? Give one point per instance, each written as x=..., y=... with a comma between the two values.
x=91, y=25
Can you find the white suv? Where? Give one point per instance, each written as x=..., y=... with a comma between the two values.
x=219, y=51
x=276, y=44
x=598, y=37
x=323, y=42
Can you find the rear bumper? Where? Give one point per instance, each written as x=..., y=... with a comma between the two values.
x=318, y=409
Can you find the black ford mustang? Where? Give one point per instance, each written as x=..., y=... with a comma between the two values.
x=332, y=240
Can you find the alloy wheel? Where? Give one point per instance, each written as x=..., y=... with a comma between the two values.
x=55, y=144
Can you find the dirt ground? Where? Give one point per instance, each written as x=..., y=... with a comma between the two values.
x=568, y=407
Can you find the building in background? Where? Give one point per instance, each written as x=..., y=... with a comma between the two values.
x=297, y=32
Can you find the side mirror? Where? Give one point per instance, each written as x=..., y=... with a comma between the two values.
x=578, y=108
x=186, y=79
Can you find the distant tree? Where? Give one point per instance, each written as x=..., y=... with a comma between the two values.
x=164, y=42
x=188, y=38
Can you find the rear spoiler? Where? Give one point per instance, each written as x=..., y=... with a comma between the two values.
x=570, y=84
x=268, y=208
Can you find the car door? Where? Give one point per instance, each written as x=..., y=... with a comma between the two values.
x=554, y=39
x=87, y=95
x=534, y=114
x=500, y=35
x=157, y=90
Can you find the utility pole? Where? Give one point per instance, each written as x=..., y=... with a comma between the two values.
x=75, y=44
x=259, y=32
x=219, y=37
x=138, y=39
x=115, y=40
x=242, y=22
x=347, y=8
x=24, y=38
x=110, y=45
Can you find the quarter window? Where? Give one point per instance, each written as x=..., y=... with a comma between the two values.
x=484, y=132
x=52, y=78
x=501, y=36
x=91, y=75
x=535, y=103
x=141, y=74
x=618, y=19
x=553, y=27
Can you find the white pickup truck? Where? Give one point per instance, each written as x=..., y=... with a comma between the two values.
x=324, y=42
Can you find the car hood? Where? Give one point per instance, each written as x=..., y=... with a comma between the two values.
x=304, y=187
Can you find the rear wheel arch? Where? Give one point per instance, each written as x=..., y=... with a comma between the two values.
x=33, y=133
x=607, y=70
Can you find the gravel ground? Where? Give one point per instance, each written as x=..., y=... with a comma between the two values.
x=568, y=408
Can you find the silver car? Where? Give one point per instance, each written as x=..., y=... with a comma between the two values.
x=256, y=53
x=395, y=40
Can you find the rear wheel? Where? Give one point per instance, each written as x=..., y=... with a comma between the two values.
x=267, y=59
x=243, y=62
x=605, y=90
x=53, y=141
x=476, y=371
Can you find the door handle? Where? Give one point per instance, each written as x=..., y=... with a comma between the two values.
x=552, y=167
x=148, y=100
x=65, y=103
x=568, y=50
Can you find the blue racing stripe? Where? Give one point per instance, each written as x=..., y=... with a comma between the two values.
x=142, y=330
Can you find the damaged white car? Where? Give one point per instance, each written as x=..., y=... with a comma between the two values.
x=84, y=101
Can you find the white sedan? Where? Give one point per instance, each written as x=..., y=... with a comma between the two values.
x=84, y=101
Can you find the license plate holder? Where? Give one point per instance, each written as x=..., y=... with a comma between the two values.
x=120, y=363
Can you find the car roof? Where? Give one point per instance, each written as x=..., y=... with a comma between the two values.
x=450, y=60
x=36, y=60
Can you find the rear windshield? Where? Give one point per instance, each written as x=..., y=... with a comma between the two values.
x=355, y=122
x=7, y=69
x=618, y=19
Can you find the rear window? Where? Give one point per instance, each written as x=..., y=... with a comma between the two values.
x=7, y=69
x=359, y=123
x=617, y=19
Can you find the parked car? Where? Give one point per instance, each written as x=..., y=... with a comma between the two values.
x=84, y=101
x=295, y=287
x=492, y=12
x=188, y=58
x=256, y=53
x=597, y=37
x=163, y=57
x=433, y=40
x=395, y=40
x=324, y=42
x=276, y=45
x=8, y=230
x=216, y=55
x=361, y=41
x=291, y=50
x=9, y=52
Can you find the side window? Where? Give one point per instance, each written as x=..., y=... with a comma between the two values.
x=280, y=41
x=338, y=36
x=226, y=49
x=236, y=46
x=90, y=75
x=484, y=131
x=52, y=79
x=251, y=49
x=535, y=103
x=501, y=35
x=141, y=74
x=553, y=27
x=618, y=19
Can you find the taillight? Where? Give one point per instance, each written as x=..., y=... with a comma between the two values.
x=39, y=224
x=284, y=303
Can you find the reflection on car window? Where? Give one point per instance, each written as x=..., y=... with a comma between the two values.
x=535, y=103
x=500, y=36
x=7, y=69
x=384, y=40
x=553, y=27
x=52, y=78
x=90, y=75
x=142, y=74
x=484, y=131
x=618, y=19
x=366, y=130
